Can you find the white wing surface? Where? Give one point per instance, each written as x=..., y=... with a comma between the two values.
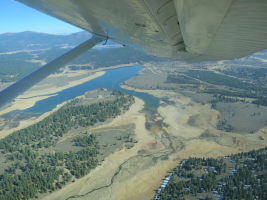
x=176, y=29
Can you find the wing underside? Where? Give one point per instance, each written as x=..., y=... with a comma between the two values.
x=176, y=29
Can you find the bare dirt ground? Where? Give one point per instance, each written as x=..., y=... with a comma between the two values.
x=181, y=129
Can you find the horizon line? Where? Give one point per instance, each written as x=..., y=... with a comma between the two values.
x=49, y=33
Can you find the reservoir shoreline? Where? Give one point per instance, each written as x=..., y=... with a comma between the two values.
x=111, y=79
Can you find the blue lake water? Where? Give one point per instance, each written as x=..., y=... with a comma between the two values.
x=112, y=80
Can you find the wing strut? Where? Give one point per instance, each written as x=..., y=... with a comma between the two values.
x=28, y=81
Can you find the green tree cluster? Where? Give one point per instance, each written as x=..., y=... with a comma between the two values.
x=32, y=170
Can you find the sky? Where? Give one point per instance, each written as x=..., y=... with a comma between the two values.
x=16, y=17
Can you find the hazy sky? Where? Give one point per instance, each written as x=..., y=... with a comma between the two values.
x=16, y=17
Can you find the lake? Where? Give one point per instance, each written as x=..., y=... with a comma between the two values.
x=111, y=80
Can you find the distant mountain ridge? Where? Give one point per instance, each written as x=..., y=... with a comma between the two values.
x=21, y=53
x=35, y=40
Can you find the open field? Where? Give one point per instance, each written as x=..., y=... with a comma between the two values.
x=110, y=139
x=178, y=131
x=180, y=128
x=237, y=92
x=139, y=148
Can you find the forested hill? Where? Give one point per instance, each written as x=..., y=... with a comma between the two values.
x=239, y=176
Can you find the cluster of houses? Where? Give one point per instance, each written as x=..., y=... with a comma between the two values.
x=163, y=185
x=168, y=177
x=166, y=180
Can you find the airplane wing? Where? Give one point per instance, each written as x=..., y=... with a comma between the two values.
x=175, y=29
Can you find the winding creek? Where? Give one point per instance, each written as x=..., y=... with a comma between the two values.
x=112, y=80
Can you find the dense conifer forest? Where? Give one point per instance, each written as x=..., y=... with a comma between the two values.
x=30, y=167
